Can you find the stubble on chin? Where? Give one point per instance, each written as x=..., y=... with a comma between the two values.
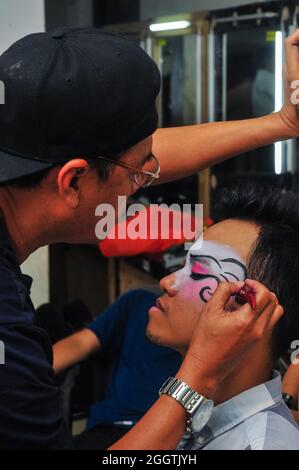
x=152, y=338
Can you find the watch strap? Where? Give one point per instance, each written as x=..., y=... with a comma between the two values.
x=185, y=395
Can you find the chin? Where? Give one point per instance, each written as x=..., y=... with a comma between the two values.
x=156, y=338
x=153, y=337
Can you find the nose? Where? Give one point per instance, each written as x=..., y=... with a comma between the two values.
x=168, y=284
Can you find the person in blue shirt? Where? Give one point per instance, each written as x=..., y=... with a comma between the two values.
x=140, y=369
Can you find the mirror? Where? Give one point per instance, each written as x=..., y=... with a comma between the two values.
x=179, y=66
x=248, y=83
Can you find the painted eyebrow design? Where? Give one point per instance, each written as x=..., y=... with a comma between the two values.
x=234, y=261
x=197, y=257
x=225, y=260
x=230, y=274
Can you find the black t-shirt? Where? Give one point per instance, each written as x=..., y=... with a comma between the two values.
x=30, y=415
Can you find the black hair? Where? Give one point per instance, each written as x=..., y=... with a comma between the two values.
x=274, y=259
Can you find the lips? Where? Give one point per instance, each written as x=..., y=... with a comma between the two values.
x=159, y=305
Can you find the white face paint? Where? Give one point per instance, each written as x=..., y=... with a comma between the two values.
x=207, y=264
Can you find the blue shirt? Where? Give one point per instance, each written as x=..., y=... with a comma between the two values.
x=30, y=416
x=256, y=419
x=142, y=366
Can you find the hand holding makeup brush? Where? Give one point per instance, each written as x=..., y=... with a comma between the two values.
x=222, y=336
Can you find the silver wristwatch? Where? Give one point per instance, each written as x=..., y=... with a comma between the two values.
x=195, y=404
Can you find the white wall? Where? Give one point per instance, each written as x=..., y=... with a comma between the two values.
x=154, y=8
x=37, y=266
x=17, y=19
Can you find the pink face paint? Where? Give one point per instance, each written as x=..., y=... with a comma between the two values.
x=207, y=264
x=198, y=268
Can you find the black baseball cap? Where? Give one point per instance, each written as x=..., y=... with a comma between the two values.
x=73, y=92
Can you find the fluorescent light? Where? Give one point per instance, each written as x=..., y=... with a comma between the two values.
x=278, y=94
x=278, y=158
x=278, y=70
x=170, y=26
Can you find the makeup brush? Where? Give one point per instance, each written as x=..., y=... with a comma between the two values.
x=246, y=295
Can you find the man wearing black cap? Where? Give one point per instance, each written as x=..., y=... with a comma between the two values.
x=75, y=131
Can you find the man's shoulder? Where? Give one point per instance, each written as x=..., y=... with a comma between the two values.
x=272, y=429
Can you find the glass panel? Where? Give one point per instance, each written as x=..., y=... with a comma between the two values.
x=250, y=74
x=178, y=66
x=245, y=87
x=179, y=104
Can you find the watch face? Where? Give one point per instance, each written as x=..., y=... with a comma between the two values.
x=202, y=416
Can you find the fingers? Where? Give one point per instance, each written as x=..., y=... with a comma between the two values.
x=276, y=316
x=267, y=312
x=259, y=320
x=265, y=322
x=224, y=292
x=292, y=55
x=262, y=294
x=294, y=37
x=263, y=297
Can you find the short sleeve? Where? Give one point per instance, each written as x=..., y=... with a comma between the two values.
x=109, y=326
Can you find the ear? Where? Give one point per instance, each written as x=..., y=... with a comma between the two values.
x=68, y=180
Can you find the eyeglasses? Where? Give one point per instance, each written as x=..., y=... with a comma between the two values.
x=143, y=178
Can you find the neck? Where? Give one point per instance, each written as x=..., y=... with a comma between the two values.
x=245, y=376
x=255, y=369
x=25, y=220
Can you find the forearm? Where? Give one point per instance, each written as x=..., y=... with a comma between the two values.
x=64, y=356
x=163, y=426
x=183, y=151
x=74, y=349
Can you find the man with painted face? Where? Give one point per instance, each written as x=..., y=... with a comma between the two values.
x=257, y=237
x=77, y=129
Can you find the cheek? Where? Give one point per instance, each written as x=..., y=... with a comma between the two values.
x=198, y=291
x=124, y=183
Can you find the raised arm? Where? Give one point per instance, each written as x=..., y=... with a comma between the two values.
x=185, y=150
x=73, y=349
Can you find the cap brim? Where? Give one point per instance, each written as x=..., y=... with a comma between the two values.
x=13, y=166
